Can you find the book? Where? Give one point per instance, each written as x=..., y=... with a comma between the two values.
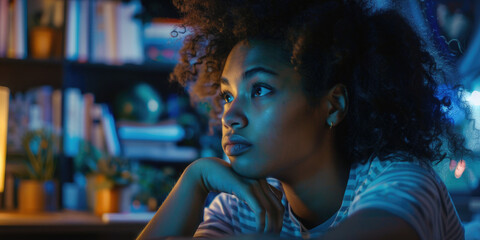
x=57, y=119
x=111, y=137
x=20, y=31
x=88, y=101
x=98, y=50
x=129, y=33
x=84, y=31
x=158, y=151
x=110, y=28
x=4, y=23
x=72, y=121
x=12, y=28
x=44, y=101
x=72, y=30
x=170, y=132
x=98, y=136
x=57, y=112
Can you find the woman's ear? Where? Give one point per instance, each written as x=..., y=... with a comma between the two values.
x=337, y=100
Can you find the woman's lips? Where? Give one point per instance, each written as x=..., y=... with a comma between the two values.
x=234, y=145
x=236, y=149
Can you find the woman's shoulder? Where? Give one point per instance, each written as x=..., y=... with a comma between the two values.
x=394, y=168
x=410, y=189
x=397, y=162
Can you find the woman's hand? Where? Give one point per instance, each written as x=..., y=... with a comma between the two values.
x=264, y=200
x=181, y=212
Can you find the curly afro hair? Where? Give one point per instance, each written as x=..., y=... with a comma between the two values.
x=390, y=77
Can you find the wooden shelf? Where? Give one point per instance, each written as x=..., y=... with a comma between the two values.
x=21, y=75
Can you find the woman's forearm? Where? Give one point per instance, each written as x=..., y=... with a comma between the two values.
x=181, y=213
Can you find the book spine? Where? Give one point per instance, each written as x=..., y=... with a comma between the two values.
x=84, y=33
x=12, y=28
x=109, y=9
x=98, y=32
x=88, y=101
x=57, y=118
x=3, y=27
x=44, y=101
x=72, y=123
x=129, y=33
x=21, y=32
x=71, y=51
x=113, y=144
x=98, y=136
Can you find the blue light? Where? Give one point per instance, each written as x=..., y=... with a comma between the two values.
x=474, y=98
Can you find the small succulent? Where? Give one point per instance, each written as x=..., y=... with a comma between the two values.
x=40, y=162
x=111, y=171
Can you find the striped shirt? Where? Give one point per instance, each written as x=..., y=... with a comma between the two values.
x=409, y=190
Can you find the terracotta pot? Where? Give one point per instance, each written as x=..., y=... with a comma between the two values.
x=107, y=200
x=36, y=196
x=41, y=42
x=31, y=196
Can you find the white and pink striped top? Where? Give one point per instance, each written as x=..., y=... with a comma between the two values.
x=410, y=190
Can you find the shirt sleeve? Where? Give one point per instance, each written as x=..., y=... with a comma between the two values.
x=217, y=219
x=413, y=194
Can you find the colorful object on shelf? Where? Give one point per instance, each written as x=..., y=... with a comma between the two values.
x=4, y=101
x=163, y=40
x=142, y=104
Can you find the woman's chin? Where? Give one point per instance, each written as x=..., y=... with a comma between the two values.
x=247, y=167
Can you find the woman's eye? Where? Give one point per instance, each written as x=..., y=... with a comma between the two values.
x=227, y=97
x=260, y=91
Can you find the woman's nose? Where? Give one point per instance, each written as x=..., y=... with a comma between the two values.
x=234, y=115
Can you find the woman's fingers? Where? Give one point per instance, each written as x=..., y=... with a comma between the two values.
x=277, y=209
x=217, y=175
x=263, y=202
x=250, y=193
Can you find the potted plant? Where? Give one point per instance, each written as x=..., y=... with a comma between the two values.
x=107, y=177
x=154, y=186
x=37, y=188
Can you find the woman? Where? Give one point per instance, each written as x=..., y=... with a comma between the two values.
x=333, y=103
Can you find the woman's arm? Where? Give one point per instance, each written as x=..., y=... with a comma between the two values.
x=373, y=224
x=181, y=213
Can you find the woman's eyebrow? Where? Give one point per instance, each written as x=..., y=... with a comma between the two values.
x=249, y=73
x=224, y=81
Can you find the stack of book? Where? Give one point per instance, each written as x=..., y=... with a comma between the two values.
x=155, y=142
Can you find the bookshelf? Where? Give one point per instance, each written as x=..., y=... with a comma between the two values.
x=105, y=77
x=106, y=47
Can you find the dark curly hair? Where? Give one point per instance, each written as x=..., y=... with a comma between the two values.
x=390, y=77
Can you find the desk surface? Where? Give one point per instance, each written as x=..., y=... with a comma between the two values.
x=66, y=225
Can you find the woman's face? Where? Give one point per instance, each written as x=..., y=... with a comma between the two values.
x=268, y=125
